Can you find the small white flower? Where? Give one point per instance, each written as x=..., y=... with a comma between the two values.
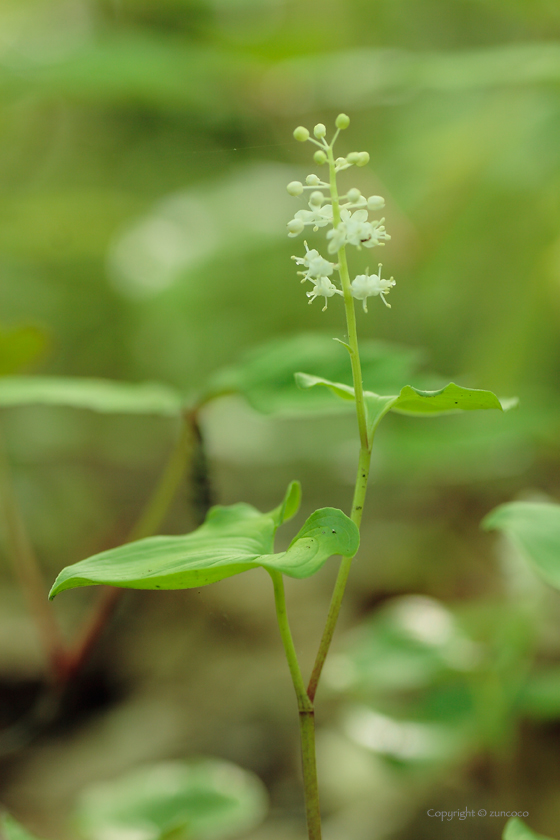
x=317, y=216
x=323, y=288
x=378, y=235
x=315, y=264
x=366, y=285
x=337, y=238
x=354, y=229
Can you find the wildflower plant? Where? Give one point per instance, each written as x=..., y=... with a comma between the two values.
x=239, y=538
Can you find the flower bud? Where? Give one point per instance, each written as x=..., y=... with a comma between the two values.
x=353, y=157
x=312, y=180
x=295, y=188
x=342, y=121
x=320, y=157
x=340, y=161
x=353, y=195
x=301, y=134
x=375, y=202
x=316, y=198
x=319, y=131
x=363, y=159
x=295, y=226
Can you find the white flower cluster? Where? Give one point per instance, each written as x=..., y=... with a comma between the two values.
x=318, y=271
x=349, y=221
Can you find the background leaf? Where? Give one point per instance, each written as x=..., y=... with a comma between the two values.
x=19, y=347
x=265, y=375
x=101, y=395
x=10, y=829
x=515, y=829
x=195, y=800
x=535, y=528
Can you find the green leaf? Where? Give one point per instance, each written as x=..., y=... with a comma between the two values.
x=102, y=395
x=535, y=528
x=12, y=830
x=132, y=67
x=515, y=829
x=449, y=400
x=306, y=380
x=195, y=800
x=19, y=347
x=265, y=375
x=289, y=506
x=232, y=540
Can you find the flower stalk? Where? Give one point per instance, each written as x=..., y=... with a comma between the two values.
x=348, y=228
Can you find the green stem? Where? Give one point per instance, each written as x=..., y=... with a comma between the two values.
x=148, y=523
x=306, y=713
x=365, y=444
x=342, y=577
x=350, y=313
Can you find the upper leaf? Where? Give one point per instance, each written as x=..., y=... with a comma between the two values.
x=535, y=528
x=515, y=829
x=232, y=540
x=448, y=400
x=103, y=395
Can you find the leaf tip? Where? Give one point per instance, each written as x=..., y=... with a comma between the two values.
x=289, y=505
x=302, y=380
x=507, y=403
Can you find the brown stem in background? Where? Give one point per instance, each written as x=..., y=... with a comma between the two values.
x=188, y=451
x=28, y=572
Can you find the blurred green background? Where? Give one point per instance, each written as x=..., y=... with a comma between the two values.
x=145, y=146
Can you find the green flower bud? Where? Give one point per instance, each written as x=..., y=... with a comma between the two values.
x=312, y=180
x=353, y=195
x=316, y=198
x=363, y=159
x=295, y=226
x=353, y=157
x=319, y=131
x=320, y=157
x=295, y=188
x=301, y=134
x=342, y=121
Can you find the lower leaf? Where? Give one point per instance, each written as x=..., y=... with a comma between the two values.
x=232, y=540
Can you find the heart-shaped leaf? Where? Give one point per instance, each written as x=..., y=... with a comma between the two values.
x=102, y=395
x=535, y=528
x=515, y=829
x=232, y=540
x=195, y=800
x=12, y=830
x=448, y=400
